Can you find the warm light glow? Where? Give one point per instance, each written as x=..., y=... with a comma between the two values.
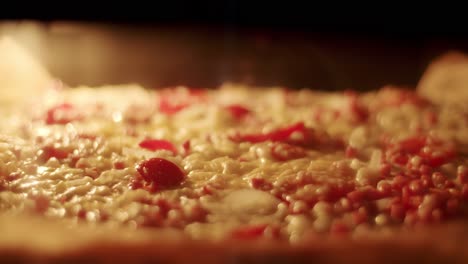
x=41, y=169
x=30, y=184
x=20, y=49
x=117, y=117
x=43, y=131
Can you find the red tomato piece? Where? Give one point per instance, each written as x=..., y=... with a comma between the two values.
x=160, y=172
x=48, y=152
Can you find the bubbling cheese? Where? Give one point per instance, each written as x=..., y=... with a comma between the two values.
x=235, y=161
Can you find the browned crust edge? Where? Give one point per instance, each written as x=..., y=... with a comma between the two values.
x=440, y=244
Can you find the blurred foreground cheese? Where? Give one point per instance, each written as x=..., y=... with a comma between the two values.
x=22, y=77
x=248, y=201
x=446, y=79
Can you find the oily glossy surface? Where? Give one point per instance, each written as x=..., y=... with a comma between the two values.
x=236, y=162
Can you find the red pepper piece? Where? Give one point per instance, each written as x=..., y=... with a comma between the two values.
x=158, y=144
x=280, y=135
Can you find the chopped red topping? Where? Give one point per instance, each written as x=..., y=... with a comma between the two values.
x=367, y=194
x=197, y=213
x=119, y=165
x=207, y=190
x=164, y=206
x=412, y=145
x=452, y=206
x=158, y=144
x=462, y=176
x=284, y=152
x=82, y=214
x=152, y=218
x=334, y=192
x=339, y=228
x=464, y=192
x=14, y=175
x=41, y=203
x=359, y=216
x=282, y=135
x=397, y=211
x=394, y=97
x=3, y=183
x=438, y=179
x=385, y=169
x=137, y=114
x=431, y=118
x=92, y=172
x=160, y=172
x=48, y=152
x=159, y=216
x=437, y=159
x=103, y=216
x=186, y=147
x=174, y=100
x=249, y=232
x=416, y=187
x=357, y=111
x=350, y=152
x=131, y=131
x=62, y=114
x=261, y=184
x=288, y=97
x=136, y=183
x=432, y=152
x=238, y=111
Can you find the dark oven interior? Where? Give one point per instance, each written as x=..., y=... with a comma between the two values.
x=200, y=46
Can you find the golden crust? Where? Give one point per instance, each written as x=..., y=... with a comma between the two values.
x=441, y=246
